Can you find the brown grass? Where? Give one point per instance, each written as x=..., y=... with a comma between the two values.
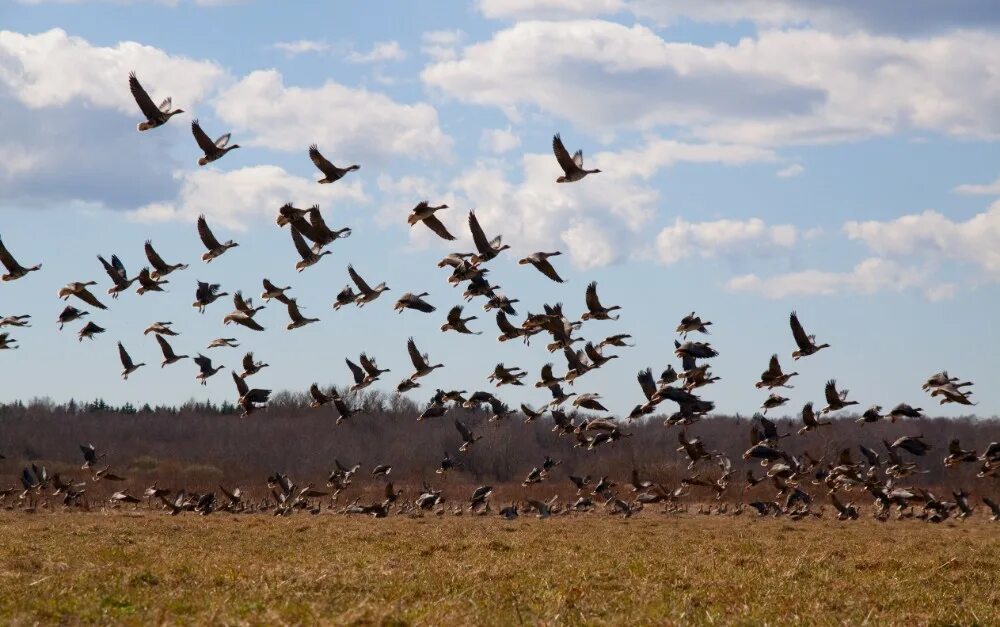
x=147, y=567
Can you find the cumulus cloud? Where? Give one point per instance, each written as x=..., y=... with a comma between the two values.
x=441, y=45
x=301, y=46
x=722, y=238
x=348, y=123
x=790, y=171
x=973, y=189
x=380, y=52
x=872, y=275
x=236, y=198
x=499, y=140
x=549, y=9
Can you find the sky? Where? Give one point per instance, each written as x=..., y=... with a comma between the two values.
x=757, y=158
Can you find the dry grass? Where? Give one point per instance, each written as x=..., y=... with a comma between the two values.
x=147, y=568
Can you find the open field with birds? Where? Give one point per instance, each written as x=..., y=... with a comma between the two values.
x=142, y=568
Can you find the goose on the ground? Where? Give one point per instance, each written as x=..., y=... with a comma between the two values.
x=156, y=116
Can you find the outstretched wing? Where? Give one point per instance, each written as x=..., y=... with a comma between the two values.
x=362, y=286
x=647, y=383
x=126, y=359
x=463, y=431
x=168, y=351
x=154, y=259
x=546, y=268
x=415, y=356
x=300, y=244
x=800, y=335
x=248, y=361
x=7, y=259
x=142, y=99
x=478, y=237
x=593, y=303
x=204, y=141
x=320, y=161
x=832, y=397
x=206, y=235
x=241, y=386
x=566, y=162
x=356, y=371
x=438, y=227
x=87, y=297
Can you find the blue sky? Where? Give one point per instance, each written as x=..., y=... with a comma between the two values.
x=756, y=159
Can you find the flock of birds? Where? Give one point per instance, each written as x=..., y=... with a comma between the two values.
x=789, y=475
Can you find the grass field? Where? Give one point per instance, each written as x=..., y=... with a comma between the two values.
x=147, y=568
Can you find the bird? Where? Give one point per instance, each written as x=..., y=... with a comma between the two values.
x=835, y=400
x=250, y=399
x=206, y=294
x=457, y=323
x=90, y=456
x=214, y=150
x=415, y=302
x=128, y=366
x=541, y=262
x=205, y=369
x=155, y=115
x=89, y=330
x=331, y=173
x=487, y=249
x=424, y=212
x=224, y=342
x=809, y=420
x=911, y=444
x=421, y=365
x=215, y=249
x=160, y=328
x=806, y=343
x=275, y=292
x=14, y=269
x=773, y=377
x=772, y=401
x=319, y=398
x=572, y=166
x=116, y=271
x=251, y=367
x=160, y=267
x=468, y=439
x=904, y=411
x=147, y=283
x=308, y=256
x=345, y=297
x=365, y=294
x=692, y=322
x=596, y=311
x=69, y=314
x=15, y=321
x=589, y=401
x=79, y=289
x=169, y=357
x=297, y=319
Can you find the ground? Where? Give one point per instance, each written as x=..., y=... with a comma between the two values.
x=147, y=567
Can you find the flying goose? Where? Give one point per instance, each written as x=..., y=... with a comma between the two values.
x=572, y=166
x=488, y=249
x=160, y=267
x=596, y=311
x=315, y=229
x=14, y=269
x=806, y=343
x=457, y=323
x=205, y=369
x=213, y=150
x=79, y=289
x=128, y=367
x=215, y=249
x=15, y=321
x=160, y=328
x=361, y=378
x=169, y=357
x=956, y=455
x=345, y=297
x=89, y=330
x=872, y=414
x=589, y=401
x=433, y=410
x=547, y=379
x=206, y=294
x=297, y=319
x=344, y=410
x=331, y=173
x=414, y=301
x=69, y=314
x=835, y=400
x=155, y=116
x=541, y=262
x=904, y=411
x=530, y=415
x=7, y=342
x=773, y=377
x=249, y=399
x=502, y=375
x=616, y=340
x=116, y=270
x=147, y=283
x=468, y=439
x=365, y=293
x=275, y=292
x=424, y=212
x=951, y=393
x=912, y=444
x=809, y=420
x=319, y=398
x=941, y=379
x=558, y=396
x=308, y=257
x=597, y=359
x=421, y=365
x=772, y=401
x=251, y=367
x=371, y=367
x=691, y=323
x=224, y=342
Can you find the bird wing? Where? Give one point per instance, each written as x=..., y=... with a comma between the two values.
x=86, y=296
x=206, y=235
x=7, y=259
x=248, y=361
x=808, y=417
x=204, y=363
x=774, y=367
x=154, y=259
x=358, y=280
x=801, y=338
x=593, y=303
x=318, y=223
x=317, y=395
x=123, y=354
x=241, y=385
x=223, y=140
x=566, y=162
x=356, y=371
x=578, y=158
x=463, y=431
x=300, y=244
x=504, y=324
x=146, y=105
x=546, y=268
x=204, y=141
x=168, y=351
x=293, y=310
x=320, y=161
x=647, y=383
x=832, y=397
x=117, y=277
x=455, y=315
x=438, y=227
x=239, y=303
x=421, y=305
x=369, y=365
x=478, y=236
x=415, y=356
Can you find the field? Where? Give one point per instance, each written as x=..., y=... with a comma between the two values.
x=146, y=567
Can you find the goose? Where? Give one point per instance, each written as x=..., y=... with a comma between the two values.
x=994, y=507
x=488, y=249
x=275, y=292
x=406, y=385
x=478, y=398
x=206, y=294
x=160, y=267
x=251, y=367
x=308, y=257
x=956, y=455
x=480, y=496
x=597, y=359
x=434, y=410
x=530, y=415
x=382, y=470
x=772, y=401
x=454, y=260
x=116, y=270
x=507, y=330
x=15, y=321
x=15, y=270
x=941, y=379
x=457, y=323
x=147, y=283
x=214, y=150
x=345, y=297
x=89, y=330
x=297, y=319
x=344, y=410
x=215, y=249
x=205, y=369
x=169, y=357
x=424, y=212
x=105, y=474
x=371, y=367
x=589, y=401
x=912, y=444
x=535, y=476
x=421, y=365
x=835, y=400
x=616, y=340
x=773, y=377
x=905, y=411
x=361, y=378
x=951, y=393
x=809, y=420
x=694, y=350
x=501, y=303
x=365, y=294
x=415, y=302
x=596, y=311
x=249, y=399
x=468, y=439
x=69, y=314
x=572, y=166
x=331, y=173
x=155, y=116
x=316, y=229
x=558, y=395
x=872, y=414
x=547, y=379
x=502, y=375
x=287, y=214
x=541, y=262
x=122, y=496
x=224, y=342
x=806, y=343
x=319, y=398
x=499, y=410
x=79, y=289
x=160, y=328
x=128, y=366
x=90, y=456
x=692, y=322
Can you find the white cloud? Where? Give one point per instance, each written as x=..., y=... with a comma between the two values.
x=380, y=52
x=549, y=9
x=779, y=87
x=499, y=140
x=301, y=46
x=972, y=189
x=16, y=159
x=722, y=237
x=53, y=69
x=349, y=124
x=868, y=277
x=441, y=45
x=234, y=199
x=790, y=171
